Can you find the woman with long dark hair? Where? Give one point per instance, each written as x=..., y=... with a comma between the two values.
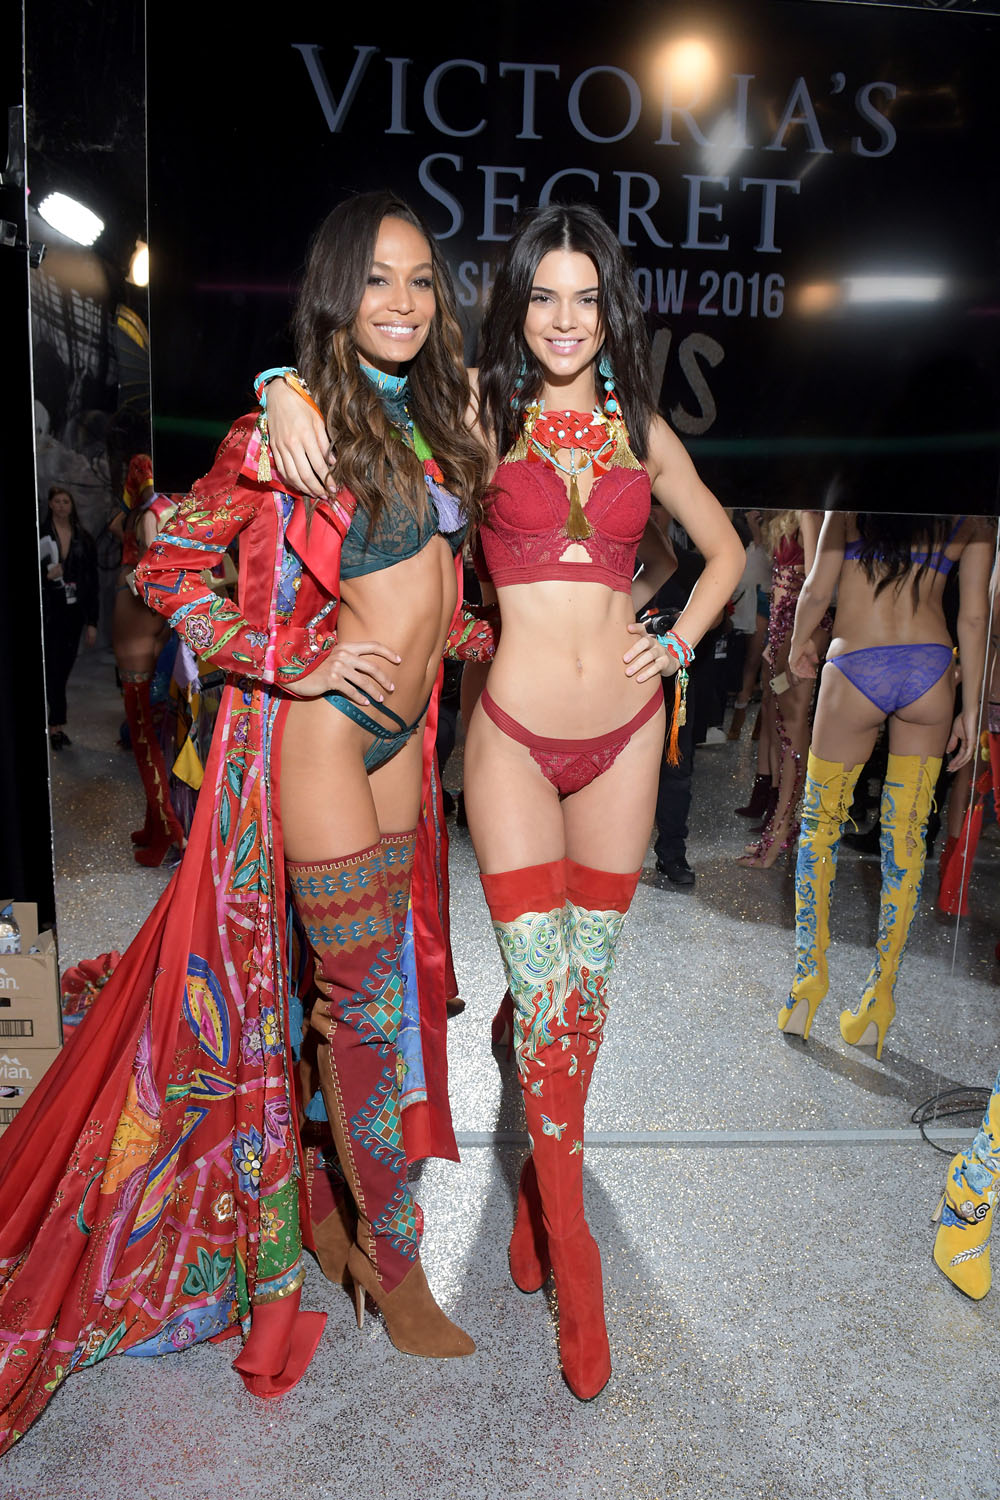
x=152, y=1190
x=891, y=658
x=563, y=750
x=69, y=601
x=568, y=735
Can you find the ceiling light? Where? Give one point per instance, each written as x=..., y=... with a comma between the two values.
x=70, y=218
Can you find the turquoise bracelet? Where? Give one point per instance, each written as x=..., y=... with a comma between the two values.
x=264, y=379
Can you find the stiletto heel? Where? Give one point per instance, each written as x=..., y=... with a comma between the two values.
x=359, y=1303
x=528, y=1252
x=502, y=1027
x=867, y=1027
x=413, y=1320
x=796, y=1018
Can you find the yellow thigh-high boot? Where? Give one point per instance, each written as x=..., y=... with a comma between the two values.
x=907, y=794
x=827, y=797
x=965, y=1213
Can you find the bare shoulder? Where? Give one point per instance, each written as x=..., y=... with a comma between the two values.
x=664, y=449
x=977, y=529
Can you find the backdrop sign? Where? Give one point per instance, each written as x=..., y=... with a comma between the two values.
x=806, y=191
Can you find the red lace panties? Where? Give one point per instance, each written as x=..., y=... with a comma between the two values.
x=571, y=765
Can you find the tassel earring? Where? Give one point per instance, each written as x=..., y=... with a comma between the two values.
x=606, y=373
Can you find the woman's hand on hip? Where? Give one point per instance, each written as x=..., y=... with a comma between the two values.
x=299, y=441
x=350, y=670
x=647, y=658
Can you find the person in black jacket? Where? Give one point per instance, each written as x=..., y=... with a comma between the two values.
x=69, y=601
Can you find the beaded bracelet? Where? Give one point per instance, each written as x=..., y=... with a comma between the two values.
x=677, y=646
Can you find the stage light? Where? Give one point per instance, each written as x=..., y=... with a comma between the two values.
x=71, y=218
x=690, y=65
x=818, y=297
x=138, y=270
x=894, y=288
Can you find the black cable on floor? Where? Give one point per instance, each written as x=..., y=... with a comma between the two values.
x=965, y=1099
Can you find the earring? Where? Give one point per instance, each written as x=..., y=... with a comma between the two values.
x=522, y=371
x=607, y=375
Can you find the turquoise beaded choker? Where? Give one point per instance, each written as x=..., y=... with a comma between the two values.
x=392, y=391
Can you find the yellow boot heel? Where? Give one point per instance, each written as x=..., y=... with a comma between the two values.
x=796, y=1018
x=867, y=1026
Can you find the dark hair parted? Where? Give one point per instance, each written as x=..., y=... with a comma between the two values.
x=60, y=489
x=506, y=356
x=371, y=462
x=888, y=542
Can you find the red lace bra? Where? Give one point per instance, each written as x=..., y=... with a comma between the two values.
x=523, y=535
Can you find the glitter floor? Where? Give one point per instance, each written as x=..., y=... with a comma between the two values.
x=777, y=1326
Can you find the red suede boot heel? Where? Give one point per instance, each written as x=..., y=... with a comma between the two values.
x=281, y=1344
x=502, y=1028
x=583, y=1336
x=529, y=1250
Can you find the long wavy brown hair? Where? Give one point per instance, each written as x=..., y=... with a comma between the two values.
x=370, y=461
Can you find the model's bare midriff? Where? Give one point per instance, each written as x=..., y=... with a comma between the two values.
x=559, y=667
x=408, y=607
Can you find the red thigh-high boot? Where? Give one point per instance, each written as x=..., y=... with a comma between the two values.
x=557, y=963
x=527, y=910
x=348, y=909
x=161, y=828
x=596, y=904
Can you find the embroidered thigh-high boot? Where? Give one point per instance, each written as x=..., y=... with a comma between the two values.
x=907, y=793
x=596, y=904
x=348, y=911
x=161, y=828
x=828, y=794
x=965, y=1212
x=527, y=910
x=557, y=964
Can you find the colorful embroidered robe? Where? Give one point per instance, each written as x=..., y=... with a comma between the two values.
x=151, y=1189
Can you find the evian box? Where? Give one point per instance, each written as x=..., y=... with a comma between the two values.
x=29, y=987
x=21, y=1071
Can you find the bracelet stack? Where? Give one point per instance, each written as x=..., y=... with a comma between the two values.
x=684, y=652
x=678, y=646
x=291, y=377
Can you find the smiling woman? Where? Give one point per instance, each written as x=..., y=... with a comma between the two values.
x=313, y=789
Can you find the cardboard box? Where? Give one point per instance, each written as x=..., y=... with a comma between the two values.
x=21, y=1071
x=30, y=1014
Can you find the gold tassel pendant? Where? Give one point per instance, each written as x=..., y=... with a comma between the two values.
x=263, y=457
x=577, y=528
x=622, y=457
